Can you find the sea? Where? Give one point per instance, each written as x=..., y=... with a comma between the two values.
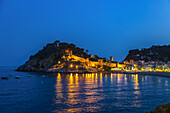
x=80, y=93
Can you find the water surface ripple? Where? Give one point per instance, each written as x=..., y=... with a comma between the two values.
x=119, y=93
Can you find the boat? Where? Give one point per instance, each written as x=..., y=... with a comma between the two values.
x=17, y=77
x=5, y=78
x=28, y=75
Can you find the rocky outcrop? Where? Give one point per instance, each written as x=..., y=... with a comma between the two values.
x=165, y=108
x=154, y=53
x=49, y=56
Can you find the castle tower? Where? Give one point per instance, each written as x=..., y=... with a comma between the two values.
x=70, y=53
x=111, y=58
x=117, y=64
x=131, y=61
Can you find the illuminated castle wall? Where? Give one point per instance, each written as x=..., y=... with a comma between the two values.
x=92, y=63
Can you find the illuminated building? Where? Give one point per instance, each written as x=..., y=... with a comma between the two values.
x=74, y=63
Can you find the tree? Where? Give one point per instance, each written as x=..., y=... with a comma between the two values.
x=57, y=41
x=87, y=51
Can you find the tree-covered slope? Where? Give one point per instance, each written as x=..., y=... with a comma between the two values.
x=154, y=53
x=50, y=55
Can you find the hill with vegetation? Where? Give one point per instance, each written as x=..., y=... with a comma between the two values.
x=50, y=55
x=154, y=53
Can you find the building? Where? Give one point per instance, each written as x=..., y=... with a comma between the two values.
x=73, y=63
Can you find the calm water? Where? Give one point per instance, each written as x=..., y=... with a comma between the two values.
x=81, y=93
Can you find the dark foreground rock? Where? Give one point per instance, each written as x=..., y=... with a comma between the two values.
x=165, y=108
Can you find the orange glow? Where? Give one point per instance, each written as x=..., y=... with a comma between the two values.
x=136, y=85
x=71, y=65
x=101, y=79
x=58, y=87
x=66, y=51
x=73, y=87
x=77, y=66
x=59, y=74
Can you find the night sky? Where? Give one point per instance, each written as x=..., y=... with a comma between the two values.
x=104, y=27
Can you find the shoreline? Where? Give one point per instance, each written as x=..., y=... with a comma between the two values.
x=161, y=74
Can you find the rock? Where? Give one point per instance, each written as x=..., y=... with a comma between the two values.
x=165, y=108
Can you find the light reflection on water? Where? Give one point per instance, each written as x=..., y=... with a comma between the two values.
x=90, y=92
x=81, y=90
x=96, y=92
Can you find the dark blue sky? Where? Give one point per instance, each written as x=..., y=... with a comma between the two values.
x=104, y=27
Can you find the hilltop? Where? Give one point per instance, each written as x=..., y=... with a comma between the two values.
x=65, y=57
x=51, y=54
x=154, y=53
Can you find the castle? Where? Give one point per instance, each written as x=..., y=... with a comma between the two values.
x=73, y=63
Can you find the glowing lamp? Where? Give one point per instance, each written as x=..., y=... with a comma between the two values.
x=71, y=65
x=76, y=66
